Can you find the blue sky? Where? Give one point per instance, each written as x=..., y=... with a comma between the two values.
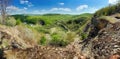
x=58, y=6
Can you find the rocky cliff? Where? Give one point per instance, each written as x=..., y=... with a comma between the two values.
x=104, y=39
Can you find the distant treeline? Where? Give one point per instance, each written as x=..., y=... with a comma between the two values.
x=48, y=19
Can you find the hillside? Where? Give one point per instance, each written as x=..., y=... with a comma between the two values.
x=48, y=19
x=104, y=45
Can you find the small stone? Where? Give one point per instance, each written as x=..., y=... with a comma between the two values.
x=40, y=53
x=64, y=58
x=75, y=57
x=56, y=49
x=48, y=48
x=60, y=49
x=112, y=38
x=116, y=46
x=105, y=32
x=53, y=48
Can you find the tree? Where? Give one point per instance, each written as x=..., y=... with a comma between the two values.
x=3, y=9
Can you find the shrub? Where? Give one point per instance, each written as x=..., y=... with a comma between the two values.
x=70, y=36
x=58, y=41
x=11, y=21
x=43, y=41
x=34, y=20
x=55, y=39
x=41, y=29
x=63, y=43
x=84, y=36
x=18, y=22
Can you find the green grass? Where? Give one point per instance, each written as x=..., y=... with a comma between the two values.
x=43, y=41
x=57, y=40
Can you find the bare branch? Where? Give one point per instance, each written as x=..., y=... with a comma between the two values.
x=3, y=9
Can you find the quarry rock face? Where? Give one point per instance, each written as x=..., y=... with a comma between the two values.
x=105, y=44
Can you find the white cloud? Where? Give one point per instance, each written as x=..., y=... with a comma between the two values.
x=90, y=10
x=61, y=3
x=112, y=1
x=61, y=9
x=25, y=8
x=36, y=12
x=30, y=4
x=43, y=10
x=81, y=7
x=93, y=9
x=26, y=2
x=39, y=12
x=85, y=9
x=14, y=8
x=54, y=9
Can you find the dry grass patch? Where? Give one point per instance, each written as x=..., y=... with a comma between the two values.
x=108, y=18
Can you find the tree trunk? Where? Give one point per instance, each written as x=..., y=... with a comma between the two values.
x=3, y=6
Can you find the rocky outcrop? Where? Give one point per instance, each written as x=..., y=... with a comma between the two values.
x=105, y=44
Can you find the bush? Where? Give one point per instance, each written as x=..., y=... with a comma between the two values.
x=18, y=22
x=11, y=21
x=43, y=41
x=34, y=20
x=57, y=41
x=41, y=29
x=70, y=36
x=84, y=36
